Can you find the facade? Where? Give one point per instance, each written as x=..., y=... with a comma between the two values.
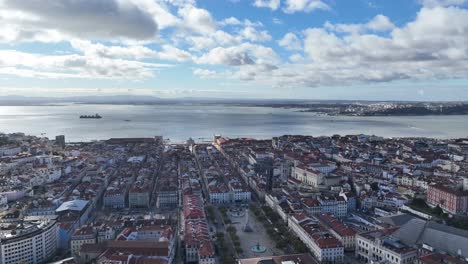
x=139, y=197
x=167, y=198
x=285, y=259
x=115, y=198
x=452, y=201
x=324, y=246
x=198, y=245
x=308, y=176
x=84, y=235
x=344, y=233
x=336, y=206
x=34, y=244
x=379, y=245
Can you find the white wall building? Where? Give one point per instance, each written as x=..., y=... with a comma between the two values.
x=34, y=244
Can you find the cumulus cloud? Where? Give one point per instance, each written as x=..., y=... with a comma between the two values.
x=379, y=23
x=434, y=3
x=204, y=73
x=197, y=19
x=272, y=4
x=290, y=42
x=73, y=66
x=243, y=54
x=252, y=34
x=293, y=6
x=433, y=46
x=90, y=19
x=228, y=56
x=167, y=52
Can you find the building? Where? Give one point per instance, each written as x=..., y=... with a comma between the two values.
x=79, y=208
x=84, y=235
x=115, y=197
x=198, y=245
x=344, y=233
x=336, y=206
x=440, y=258
x=379, y=245
x=60, y=141
x=33, y=243
x=167, y=196
x=324, y=246
x=450, y=200
x=308, y=175
x=139, y=196
x=304, y=258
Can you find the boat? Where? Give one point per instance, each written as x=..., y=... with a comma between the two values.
x=96, y=116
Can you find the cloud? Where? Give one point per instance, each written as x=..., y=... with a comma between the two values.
x=243, y=54
x=204, y=73
x=137, y=52
x=290, y=42
x=89, y=19
x=101, y=50
x=227, y=56
x=293, y=6
x=379, y=23
x=431, y=47
x=73, y=66
x=435, y=3
x=197, y=20
x=252, y=34
x=231, y=21
x=272, y=4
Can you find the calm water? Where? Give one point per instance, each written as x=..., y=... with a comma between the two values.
x=179, y=122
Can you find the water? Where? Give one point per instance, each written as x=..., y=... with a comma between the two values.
x=179, y=122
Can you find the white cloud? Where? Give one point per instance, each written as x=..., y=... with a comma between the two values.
x=434, y=3
x=231, y=21
x=73, y=66
x=290, y=42
x=109, y=20
x=232, y=56
x=100, y=50
x=172, y=53
x=307, y=6
x=197, y=19
x=204, y=73
x=218, y=38
x=379, y=23
x=97, y=50
x=277, y=21
x=272, y=4
x=252, y=34
x=243, y=54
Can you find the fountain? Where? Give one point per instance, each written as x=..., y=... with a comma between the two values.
x=258, y=248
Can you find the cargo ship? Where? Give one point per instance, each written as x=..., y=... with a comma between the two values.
x=96, y=116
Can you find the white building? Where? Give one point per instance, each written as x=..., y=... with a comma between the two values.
x=378, y=246
x=324, y=246
x=35, y=243
x=308, y=176
x=9, y=150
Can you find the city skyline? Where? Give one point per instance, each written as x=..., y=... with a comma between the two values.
x=259, y=49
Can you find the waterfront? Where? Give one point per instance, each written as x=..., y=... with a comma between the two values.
x=181, y=121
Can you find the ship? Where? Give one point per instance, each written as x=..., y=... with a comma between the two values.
x=96, y=116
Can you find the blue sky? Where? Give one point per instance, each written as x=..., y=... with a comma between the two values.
x=313, y=49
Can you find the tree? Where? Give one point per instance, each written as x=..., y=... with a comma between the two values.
x=374, y=186
x=438, y=211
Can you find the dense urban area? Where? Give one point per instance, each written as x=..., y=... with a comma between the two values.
x=369, y=108
x=286, y=200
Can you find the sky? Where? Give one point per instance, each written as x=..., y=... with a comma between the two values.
x=271, y=49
